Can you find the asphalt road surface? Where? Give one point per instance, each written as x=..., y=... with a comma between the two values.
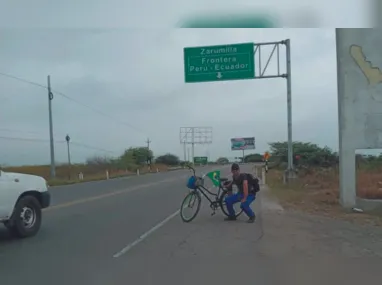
x=128, y=231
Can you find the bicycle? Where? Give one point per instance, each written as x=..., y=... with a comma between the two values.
x=196, y=185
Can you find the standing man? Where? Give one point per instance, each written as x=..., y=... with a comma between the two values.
x=246, y=194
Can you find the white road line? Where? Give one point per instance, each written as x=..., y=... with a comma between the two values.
x=145, y=235
x=106, y=195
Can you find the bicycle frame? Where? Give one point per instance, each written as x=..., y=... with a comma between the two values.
x=217, y=195
x=213, y=204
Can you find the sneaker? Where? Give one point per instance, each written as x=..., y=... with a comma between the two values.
x=230, y=219
x=251, y=220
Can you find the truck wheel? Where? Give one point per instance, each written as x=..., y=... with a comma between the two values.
x=26, y=218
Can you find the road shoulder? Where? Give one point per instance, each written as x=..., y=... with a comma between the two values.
x=298, y=248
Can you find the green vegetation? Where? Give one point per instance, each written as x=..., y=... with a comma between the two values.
x=305, y=153
x=132, y=159
x=222, y=160
x=308, y=154
x=318, y=174
x=168, y=159
x=256, y=157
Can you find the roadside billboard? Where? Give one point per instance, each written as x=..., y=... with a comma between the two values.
x=242, y=143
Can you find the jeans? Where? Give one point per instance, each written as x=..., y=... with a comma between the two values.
x=235, y=198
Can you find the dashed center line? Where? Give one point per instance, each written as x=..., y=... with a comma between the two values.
x=145, y=235
x=107, y=195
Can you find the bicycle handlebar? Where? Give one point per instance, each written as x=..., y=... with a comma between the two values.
x=191, y=168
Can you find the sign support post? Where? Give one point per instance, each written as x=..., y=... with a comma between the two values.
x=194, y=135
x=237, y=62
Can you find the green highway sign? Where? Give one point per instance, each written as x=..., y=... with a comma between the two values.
x=219, y=63
x=200, y=159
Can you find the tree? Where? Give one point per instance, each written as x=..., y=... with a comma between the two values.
x=136, y=155
x=255, y=157
x=168, y=159
x=309, y=153
x=222, y=160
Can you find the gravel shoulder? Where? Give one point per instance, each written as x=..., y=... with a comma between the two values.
x=282, y=247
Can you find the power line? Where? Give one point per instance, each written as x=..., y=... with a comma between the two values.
x=91, y=147
x=23, y=80
x=8, y=130
x=96, y=110
x=26, y=139
x=63, y=141
x=19, y=131
x=72, y=99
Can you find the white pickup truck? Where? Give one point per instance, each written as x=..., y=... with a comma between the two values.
x=22, y=197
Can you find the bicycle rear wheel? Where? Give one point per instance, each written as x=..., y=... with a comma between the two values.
x=192, y=200
x=223, y=206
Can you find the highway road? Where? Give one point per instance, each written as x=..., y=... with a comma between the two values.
x=91, y=236
x=86, y=225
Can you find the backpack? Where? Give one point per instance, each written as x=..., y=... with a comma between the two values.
x=254, y=182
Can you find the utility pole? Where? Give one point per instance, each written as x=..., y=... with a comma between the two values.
x=291, y=170
x=148, y=154
x=52, y=161
x=148, y=143
x=67, y=138
x=193, y=145
x=184, y=151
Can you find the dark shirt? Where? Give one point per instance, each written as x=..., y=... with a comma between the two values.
x=238, y=181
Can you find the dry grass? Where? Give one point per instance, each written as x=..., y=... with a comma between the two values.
x=90, y=173
x=317, y=192
x=369, y=184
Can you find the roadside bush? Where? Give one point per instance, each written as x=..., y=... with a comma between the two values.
x=305, y=154
x=168, y=159
x=95, y=167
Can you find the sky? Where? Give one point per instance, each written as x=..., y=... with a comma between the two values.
x=116, y=70
x=170, y=13
x=115, y=88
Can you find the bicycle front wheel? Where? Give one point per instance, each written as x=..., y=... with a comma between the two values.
x=191, y=201
x=236, y=207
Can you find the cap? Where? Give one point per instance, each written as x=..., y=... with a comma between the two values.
x=235, y=166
